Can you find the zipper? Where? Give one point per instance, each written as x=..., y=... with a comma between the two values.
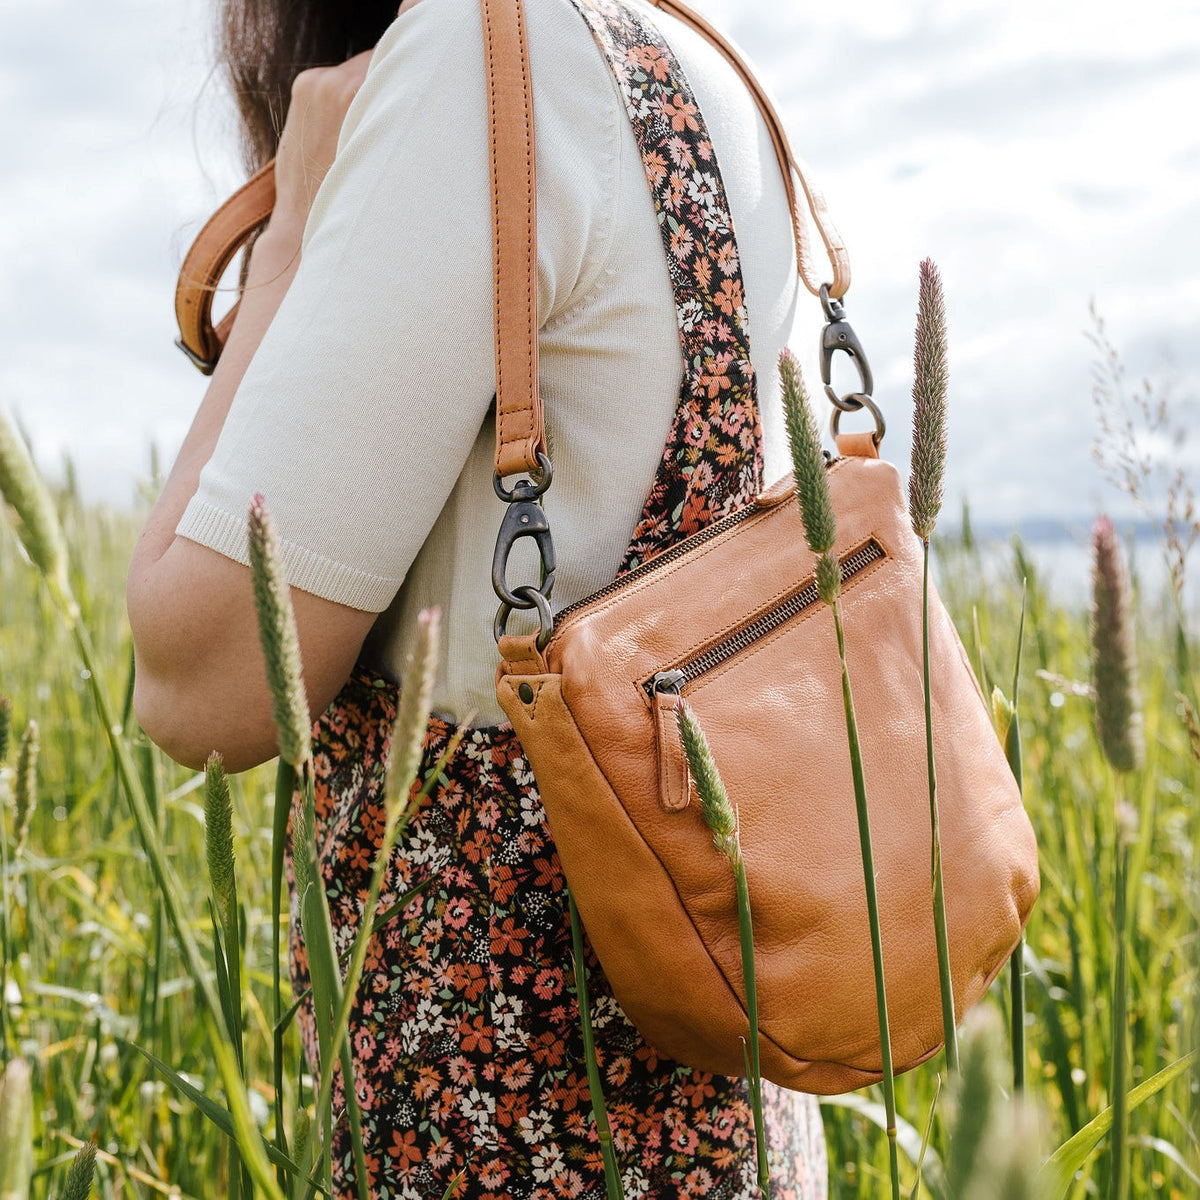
x=673, y=681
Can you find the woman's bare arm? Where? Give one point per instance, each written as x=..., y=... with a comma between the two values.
x=201, y=685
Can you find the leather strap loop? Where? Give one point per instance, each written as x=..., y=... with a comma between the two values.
x=224, y=234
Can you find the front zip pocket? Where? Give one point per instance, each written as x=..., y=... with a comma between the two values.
x=673, y=681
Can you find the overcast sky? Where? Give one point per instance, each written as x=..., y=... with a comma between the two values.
x=1040, y=152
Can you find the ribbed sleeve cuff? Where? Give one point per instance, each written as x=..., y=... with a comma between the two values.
x=310, y=572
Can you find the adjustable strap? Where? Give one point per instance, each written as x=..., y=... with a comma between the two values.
x=520, y=430
x=224, y=234
x=520, y=425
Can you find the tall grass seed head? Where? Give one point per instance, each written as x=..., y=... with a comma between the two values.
x=1114, y=662
x=218, y=838
x=83, y=1169
x=280, y=642
x=303, y=849
x=1191, y=722
x=26, y=493
x=714, y=800
x=808, y=459
x=301, y=1133
x=412, y=715
x=930, y=383
x=5, y=727
x=25, y=792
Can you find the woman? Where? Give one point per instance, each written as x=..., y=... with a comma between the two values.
x=354, y=393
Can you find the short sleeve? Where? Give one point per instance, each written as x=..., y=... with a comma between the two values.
x=369, y=389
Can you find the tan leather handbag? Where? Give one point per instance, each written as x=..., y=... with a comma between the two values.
x=730, y=619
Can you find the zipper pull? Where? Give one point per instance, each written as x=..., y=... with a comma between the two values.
x=674, y=778
x=670, y=682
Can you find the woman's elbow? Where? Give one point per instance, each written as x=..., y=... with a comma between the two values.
x=188, y=724
x=168, y=720
x=199, y=683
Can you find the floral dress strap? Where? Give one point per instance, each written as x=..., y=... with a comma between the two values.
x=465, y=1030
x=712, y=462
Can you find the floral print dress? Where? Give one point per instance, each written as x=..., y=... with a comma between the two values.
x=465, y=1031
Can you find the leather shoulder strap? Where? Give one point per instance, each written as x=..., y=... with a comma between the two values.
x=520, y=426
x=789, y=165
x=224, y=234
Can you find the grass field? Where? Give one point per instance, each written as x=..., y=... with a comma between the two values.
x=91, y=967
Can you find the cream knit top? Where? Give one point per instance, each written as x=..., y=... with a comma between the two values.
x=363, y=417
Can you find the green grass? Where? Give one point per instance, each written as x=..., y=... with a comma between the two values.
x=96, y=968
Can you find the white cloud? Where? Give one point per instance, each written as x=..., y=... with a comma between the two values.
x=1039, y=152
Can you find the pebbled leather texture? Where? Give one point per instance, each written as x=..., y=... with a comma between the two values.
x=658, y=900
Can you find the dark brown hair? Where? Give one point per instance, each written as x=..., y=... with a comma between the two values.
x=265, y=44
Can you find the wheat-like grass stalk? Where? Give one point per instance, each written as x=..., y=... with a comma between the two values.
x=1119, y=729
x=412, y=718
x=925, y=488
x=721, y=819
x=79, y=1178
x=5, y=727
x=1114, y=661
x=931, y=377
x=5, y=902
x=816, y=510
x=281, y=652
x=280, y=641
x=218, y=840
x=994, y=1148
x=218, y=845
x=25, y=792
x=38, y=526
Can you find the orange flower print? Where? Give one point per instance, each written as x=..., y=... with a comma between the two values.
x=404, y=1150
x=651, y=60
x=729, y=297
x=696, y=514
x=715, y=377
x=674, y=194
x=680, y=112
x=728, y=454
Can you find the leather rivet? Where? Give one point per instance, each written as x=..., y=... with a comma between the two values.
x=526, y=693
